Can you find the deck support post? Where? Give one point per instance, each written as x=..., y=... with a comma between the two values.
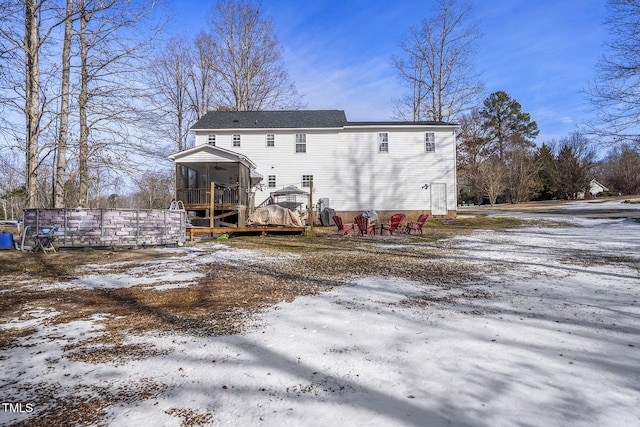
x=212, y=201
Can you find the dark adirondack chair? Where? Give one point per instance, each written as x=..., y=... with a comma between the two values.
x=345, y=228
x=364, y=226
x=417, y=225
x=394, y=224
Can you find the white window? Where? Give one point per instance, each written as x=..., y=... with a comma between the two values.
x=271, y=140
x=301, y=142
x=236, y=140
x=429, y=142
x=271, y=181
x=307, y=180
x=383, y=142
x=211, y=139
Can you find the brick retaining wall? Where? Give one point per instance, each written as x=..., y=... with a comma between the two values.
x=109, y=227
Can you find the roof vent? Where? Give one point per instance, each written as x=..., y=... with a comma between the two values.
x=235, y=120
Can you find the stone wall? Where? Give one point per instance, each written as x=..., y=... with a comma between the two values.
x=109, y=227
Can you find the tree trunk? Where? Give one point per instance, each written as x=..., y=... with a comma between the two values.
x=83, y=141
x=32, y=98
x=61, y=166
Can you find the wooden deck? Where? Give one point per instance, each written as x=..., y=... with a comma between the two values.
x=262, y=230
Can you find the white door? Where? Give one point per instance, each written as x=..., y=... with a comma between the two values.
x=438, y=199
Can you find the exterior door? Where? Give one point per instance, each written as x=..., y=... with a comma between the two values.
x=438, y=199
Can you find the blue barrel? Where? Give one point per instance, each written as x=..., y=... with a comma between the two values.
x=6, y=241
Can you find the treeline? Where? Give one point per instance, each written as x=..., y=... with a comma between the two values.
x=499, y=162
x=93, y=94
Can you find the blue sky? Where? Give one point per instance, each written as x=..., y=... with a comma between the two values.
x=542, y=53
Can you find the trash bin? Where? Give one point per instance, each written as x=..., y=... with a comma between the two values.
x=6, y=241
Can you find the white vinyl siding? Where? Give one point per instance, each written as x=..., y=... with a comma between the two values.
x=344, y=169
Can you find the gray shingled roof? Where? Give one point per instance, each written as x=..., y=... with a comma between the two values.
x=400, y=123
x=271, y=119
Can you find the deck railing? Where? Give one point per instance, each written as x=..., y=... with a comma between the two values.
x=223, y=196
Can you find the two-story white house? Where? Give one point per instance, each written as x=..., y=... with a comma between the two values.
x=390, y=167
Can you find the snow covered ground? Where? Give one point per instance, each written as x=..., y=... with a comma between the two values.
x=547, y=334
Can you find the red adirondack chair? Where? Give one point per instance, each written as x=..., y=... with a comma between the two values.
x=416, y=226
x=394, y=223
x=345, y=228
x=364, y=226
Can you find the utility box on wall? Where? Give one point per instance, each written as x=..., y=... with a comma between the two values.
x=323, y=203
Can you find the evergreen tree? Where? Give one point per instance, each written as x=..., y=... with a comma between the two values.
x=547, y=174
x=572, y=176
x=508, y=125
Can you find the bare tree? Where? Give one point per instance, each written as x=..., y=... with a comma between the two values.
x=248, y=61
x=521, y=173
x=63, y=130
x=615, y=92
x=472, y=143
x=203, y=76
x=111, y=55
x=26, y=79
x=170, y=74
x=32, y=108
x=621, y=170
x=155, y=190
x=492, y=178
x=12, y=190
x=436, y=64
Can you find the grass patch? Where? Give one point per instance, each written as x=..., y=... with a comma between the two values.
x=479, y=221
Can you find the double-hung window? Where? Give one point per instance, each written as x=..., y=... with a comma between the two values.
x=211, y=139
x=383, y=142
x=236, y=140
x=301, y=142
x=271, y=181
x=430, y=142
x=271, y=140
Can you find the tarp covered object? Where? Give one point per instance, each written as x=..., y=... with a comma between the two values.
x=326, y=217
x=274, y=215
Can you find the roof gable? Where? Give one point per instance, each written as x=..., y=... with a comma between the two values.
x=212, y=154
x=286, y=119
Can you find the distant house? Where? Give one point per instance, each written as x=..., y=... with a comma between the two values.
x=595, y=188
x=390, y=167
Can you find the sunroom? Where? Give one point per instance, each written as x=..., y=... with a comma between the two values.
x=215, y=185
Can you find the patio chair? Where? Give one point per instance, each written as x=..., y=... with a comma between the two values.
x=364, y=226
x=394, y=223
x=345, y=228
x=417, y=225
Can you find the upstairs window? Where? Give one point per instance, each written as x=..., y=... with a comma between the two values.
x=429, y=142
x=271, y=181
x=301, y=142
x=307, y=180
x=271, y=140
x=236, y=140
x=211, y=139
x=383, y=142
